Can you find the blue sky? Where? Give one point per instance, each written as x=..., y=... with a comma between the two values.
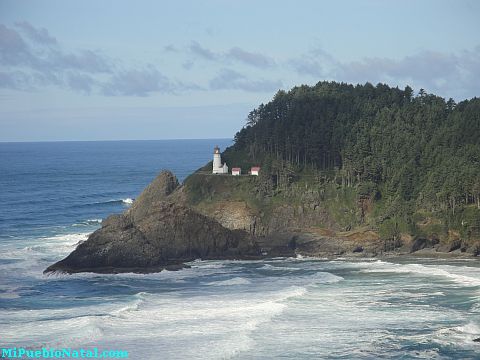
x=92, y=70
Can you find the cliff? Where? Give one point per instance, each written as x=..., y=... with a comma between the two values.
x=314, y=215
x=159, y=231
x=227, y=217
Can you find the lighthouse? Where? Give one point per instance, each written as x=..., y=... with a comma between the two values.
x=218, y=167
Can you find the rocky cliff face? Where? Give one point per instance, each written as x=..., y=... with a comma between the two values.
x=219, y=217
x=158, y=231
x=310, y=218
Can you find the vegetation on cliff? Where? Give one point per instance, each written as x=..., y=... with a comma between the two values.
x=380, y=156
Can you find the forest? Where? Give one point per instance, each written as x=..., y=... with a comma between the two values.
x=408, y=151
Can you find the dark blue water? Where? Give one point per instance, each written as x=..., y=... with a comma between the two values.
x=52, y=195
x=45, y=186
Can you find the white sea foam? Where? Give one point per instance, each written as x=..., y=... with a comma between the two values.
x=230, y=282
x=428, y=270
x=463, y=334
x=31, y=260
x=127, y=201
x=325, y=278
x=218, y=326
x=279, y=268
x=88, y=222
x=212, y=326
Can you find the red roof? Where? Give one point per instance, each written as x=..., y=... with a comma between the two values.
x=255, y=168
x=236, y=169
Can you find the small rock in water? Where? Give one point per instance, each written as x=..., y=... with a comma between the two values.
x=476, y=340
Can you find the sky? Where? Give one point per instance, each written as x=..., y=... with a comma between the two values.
x=131, y=70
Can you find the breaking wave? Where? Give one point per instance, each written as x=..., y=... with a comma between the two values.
x=471, y=279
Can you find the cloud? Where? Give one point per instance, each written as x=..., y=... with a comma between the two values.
x=31, y=58
x=250, y=58
x=85, y=60
x=39, y=35
x=187, y=65
x=140, y=82
x=37, y=60
x=448, y=74
x=307, y=66
x=13, y=49
x=14, y=80
x=229, y=79
x=201, y=51
x=80, y=82
x=170, y=48
x=235, y=54
x=314, y=63
x=443, y=73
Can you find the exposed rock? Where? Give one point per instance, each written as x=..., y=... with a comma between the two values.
x=421, y=243
x=234, y=215
x=450, y=246
x=162, y=186
x=153, y=234
x=358, y=249
x=278, y=244
x=474, y=249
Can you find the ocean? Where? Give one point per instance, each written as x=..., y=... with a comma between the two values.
x=52, y=195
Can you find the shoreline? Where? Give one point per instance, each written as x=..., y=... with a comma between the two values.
x=351, y=256
x=424, y=253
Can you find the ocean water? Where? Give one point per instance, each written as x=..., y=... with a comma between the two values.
x=52, y=195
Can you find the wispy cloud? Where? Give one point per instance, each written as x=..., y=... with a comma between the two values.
x=13, y=49
x=80, y=82
x=250, y=58
x=229, y=79
x=170, y=48
x=234, y=54
x=202, y=52
x=443, y=73
x=138, y=82
x=39, y=35
x=30, y=57
x=438, y=72
x=36, y=59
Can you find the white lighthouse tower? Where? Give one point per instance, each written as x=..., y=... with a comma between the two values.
x=218, y=167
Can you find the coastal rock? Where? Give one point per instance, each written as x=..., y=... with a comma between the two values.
x=474, y=249
x=422, y=243
x=156, y=232
x=450, y=246
x=159, y=189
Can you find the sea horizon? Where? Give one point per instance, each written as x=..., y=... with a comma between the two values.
x=109, y=140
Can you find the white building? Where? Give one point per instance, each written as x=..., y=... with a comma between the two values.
x=236, y=171
x=255, y=170
x=218, y=167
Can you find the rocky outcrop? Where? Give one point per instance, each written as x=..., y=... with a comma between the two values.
x=157, y=232
x=422, y=243
x=216, y=218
